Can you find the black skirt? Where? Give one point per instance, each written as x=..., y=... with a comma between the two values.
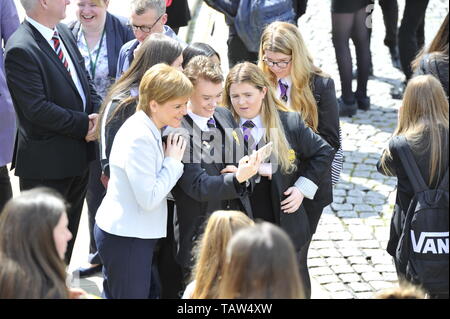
x=348, y=6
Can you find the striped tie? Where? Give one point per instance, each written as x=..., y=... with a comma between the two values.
x=58, y=50
x=211, y=123
x=249, y=141
x=283, y=89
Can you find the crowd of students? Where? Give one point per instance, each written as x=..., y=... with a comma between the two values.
x=182, y=200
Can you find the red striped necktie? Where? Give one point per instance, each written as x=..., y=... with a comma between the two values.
x=59, y=51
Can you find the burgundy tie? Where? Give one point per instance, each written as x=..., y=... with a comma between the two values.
x=58, y=50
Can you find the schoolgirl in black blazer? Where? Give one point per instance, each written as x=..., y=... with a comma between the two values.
x=423, y=121
x=304, y=88
x=300, y=158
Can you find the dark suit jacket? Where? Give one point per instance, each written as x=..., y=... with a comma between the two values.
x=117, y=34
x=313, y=157
x=52, y=124
x=201, y=190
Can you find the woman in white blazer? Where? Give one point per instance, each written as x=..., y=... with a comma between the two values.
x=133, y=214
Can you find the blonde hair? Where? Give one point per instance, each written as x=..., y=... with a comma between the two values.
x=283, y=37
x=438, y=47
x=100, y=3
x=261, y=263
x=162, y=83
x=249, y=73
x=201, y=67
x=424, y=110
x=211, y=251
x=404, y=291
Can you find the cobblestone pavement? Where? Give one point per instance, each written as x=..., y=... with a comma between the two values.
x=347, y=255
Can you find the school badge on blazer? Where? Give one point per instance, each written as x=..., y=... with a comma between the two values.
x=235, y=136
x=291, y=155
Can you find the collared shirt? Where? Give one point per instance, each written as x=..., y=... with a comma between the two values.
x=126, y=55
x=306, y=186
x=200, y=121
x=101, y=81
x=287, y=81
x=258, y=131
x=47, y=33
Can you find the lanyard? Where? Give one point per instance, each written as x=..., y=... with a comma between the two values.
x=93, y=65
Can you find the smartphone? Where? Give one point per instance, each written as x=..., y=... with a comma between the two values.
x=265, y=151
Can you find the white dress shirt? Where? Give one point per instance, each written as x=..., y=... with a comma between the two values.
x=47, y=33
x=258, y=131
x=200, y=121
x=135, y=204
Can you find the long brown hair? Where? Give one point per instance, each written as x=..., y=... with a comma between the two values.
x=261, y=263
x=424, y=113
x=157, y=48
x=439, y=45
x=26, y=239
x=283, y=37
x=210, y=251
x=249, y=73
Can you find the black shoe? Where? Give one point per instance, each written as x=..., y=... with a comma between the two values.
x=88, y=271
x=363, y=103
x=346, y=109
x=397, y=91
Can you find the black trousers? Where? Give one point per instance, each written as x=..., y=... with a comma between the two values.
x=5, y=187
x=237, y=51
x=170, y=272
x=411, y=35
x=390, y=17
x=73, y=189
x=94, y=196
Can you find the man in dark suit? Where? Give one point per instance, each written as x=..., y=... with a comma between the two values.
x=56, y=107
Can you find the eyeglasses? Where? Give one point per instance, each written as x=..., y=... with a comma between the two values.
x=281, y=64
x=144, y=28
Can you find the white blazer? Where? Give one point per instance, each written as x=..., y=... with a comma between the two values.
x=141, y=177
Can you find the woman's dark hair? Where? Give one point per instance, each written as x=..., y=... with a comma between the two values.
x=198, y=48
x=157, y=48
x=26, y=239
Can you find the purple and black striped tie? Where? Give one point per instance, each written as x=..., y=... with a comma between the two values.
x=248, y=138
x=211, y=123
x=283, y=88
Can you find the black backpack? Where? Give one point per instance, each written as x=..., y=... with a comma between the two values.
x=423, y=249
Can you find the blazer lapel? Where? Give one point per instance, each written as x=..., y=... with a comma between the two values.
x=47, y=49
x=78, y=64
